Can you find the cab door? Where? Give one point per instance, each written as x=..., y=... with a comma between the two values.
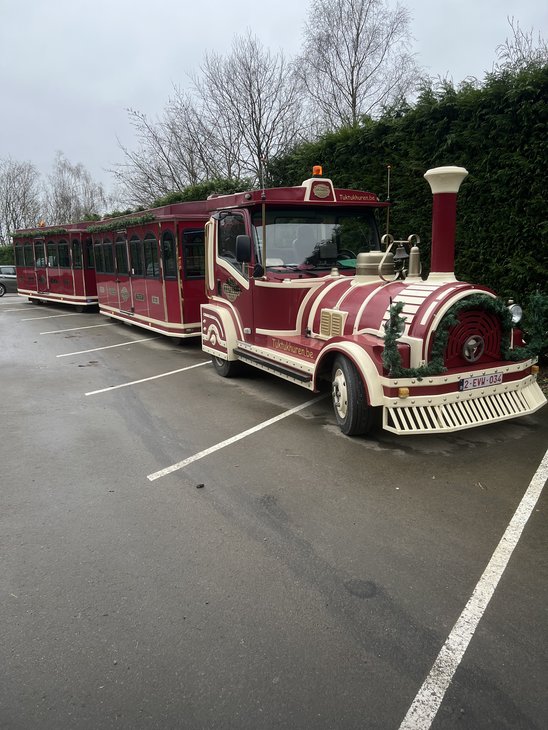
x=233, y=280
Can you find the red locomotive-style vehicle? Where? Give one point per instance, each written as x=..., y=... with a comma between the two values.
x=56, y=264
x=297, y=286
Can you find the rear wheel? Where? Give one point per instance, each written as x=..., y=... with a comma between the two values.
x=354, y=415
x=226, y=368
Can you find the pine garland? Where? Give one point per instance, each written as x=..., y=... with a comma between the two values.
x=40, y=233
x=117, y=224
x=538, y=327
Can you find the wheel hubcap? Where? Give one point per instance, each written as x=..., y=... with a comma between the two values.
x=340, y=393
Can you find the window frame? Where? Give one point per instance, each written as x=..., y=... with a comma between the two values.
x=150, y=256
x=169, y=238
x=63, y=256
x=135, y=245
x=52, y=245
x=77, y=254
x=121, y=254
x=186, y=245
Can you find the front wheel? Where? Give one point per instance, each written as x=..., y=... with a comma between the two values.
x=354, y=415
x=226, y=368
x=2, y=290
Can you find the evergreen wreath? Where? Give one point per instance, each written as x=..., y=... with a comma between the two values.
x=537, y=329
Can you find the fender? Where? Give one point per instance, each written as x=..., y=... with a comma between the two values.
x=365, y=365
x=219, y=335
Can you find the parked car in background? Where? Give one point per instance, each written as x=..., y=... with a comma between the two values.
x=8, y=280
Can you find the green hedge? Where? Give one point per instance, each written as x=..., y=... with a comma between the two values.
x=7, y=255
x=498, y=132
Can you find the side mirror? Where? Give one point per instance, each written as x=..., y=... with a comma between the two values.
x=243, y=249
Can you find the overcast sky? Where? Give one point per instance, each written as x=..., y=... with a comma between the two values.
x=69, y=69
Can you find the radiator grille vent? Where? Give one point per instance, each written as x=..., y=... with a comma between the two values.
x=332, y=323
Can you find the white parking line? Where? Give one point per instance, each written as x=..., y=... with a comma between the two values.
x=108, y=347
x=144, y=380
x=426, y=704
x=51, y=316
x=72, y=329
x=232, y=440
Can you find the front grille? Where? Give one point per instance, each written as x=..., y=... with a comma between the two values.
x=473, y=323
x=465, y=413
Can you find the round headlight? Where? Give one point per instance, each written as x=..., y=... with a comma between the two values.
x=517, y=313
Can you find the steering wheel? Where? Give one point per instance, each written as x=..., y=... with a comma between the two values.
x=346, y=252
x=228, y=255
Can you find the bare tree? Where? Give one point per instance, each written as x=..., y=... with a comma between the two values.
x=251, y=101
x=71, y=194
x=198, y=149
x=356, y=59
x=521, y=50
x=173, y=152
x=19, y=197
x=246, y=107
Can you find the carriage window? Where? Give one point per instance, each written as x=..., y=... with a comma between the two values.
x=28, y=255
x=40, y=254
x=64, y=260
x=121, y=256
x=193, y=254
x=136, y=256
x=76, y=254
x=52, y=254
x=88, y=250
x=99, y=258
x=19, y=256
x=108, y=257
x=169, y=254
x=151, y=256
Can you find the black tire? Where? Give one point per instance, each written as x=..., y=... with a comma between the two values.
x=354, y=416
x=226, y=368
x=2, y=290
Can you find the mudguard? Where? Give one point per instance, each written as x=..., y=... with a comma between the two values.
x=219, y=333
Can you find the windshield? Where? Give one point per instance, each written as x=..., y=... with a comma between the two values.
x=318, y=238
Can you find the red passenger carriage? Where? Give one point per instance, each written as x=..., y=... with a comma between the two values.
x=150, y=268
x=56, y=264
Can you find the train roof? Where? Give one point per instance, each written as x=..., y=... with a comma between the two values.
x=315, y=190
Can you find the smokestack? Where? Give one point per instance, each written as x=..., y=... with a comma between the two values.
x=445, y=183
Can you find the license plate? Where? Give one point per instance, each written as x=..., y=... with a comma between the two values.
x=480, y=381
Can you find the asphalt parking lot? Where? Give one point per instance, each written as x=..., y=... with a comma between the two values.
x=179, y=550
